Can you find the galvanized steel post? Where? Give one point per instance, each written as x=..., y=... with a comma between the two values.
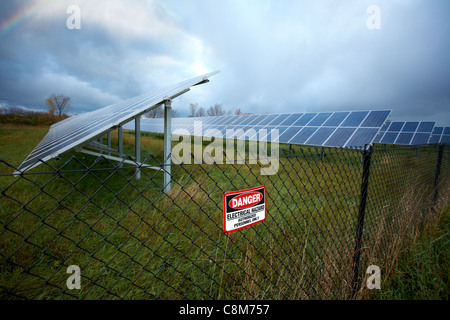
x=120, y=138
x=437, y=174
x=366, y=155
x=167, y=144
x=109, y=142
x=137, y=130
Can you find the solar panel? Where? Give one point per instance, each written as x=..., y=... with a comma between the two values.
x=440, y=135
x=79, y=130
x=445, y=135
x=406, y=133
x=334, y=129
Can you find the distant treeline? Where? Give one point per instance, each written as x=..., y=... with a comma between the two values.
x=15, y=115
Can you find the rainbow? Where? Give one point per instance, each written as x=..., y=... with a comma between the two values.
x=21, y=16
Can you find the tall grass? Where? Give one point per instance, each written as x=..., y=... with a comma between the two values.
x=133, y=241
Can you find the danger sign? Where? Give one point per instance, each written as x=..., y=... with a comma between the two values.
x=244, y=208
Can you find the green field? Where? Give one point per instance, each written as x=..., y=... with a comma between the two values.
x=132, y=241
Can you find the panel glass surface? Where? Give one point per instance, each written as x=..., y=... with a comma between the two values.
x=68, y=135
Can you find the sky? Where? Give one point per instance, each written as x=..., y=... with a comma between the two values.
x=274, y=56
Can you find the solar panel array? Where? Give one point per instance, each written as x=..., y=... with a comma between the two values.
x=78, y=130
x=333, y=129
x=440, y=135
x=406, y=133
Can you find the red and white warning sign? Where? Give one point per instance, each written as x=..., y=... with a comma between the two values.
x=243, y=208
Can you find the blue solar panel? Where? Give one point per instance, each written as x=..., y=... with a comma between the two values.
x=389, y=137
x=279, y=119
x=426, y=127
x=375, y=119
x=320, y=136
x=445, y=138
x=248, y=120
x=303, y=135
x=435, y=139
x=378, y=137
x=305, y=119
x=340, y=137
x=410, y=126
x=407, y=133
x=362, y=136
x=84, y=128
x=396, y=126
x=404, y=138
x=355, y=119
x=336, y=119
x=319, y=119
x=257, y=120
x=268, y=119
x=289, y=133
x=438, y=130
x=291, y=119
x=335, y=129
x=420, y=138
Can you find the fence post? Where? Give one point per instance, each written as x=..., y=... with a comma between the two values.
x=167, y=145
x=437, y=174
x=137, y=137
x=361, y=212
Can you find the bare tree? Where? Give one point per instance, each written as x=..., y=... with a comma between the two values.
x=216, y=110
x=158, y=112
x=201, y=112
x=193, y=108
x=237, y=112
x=58, y=103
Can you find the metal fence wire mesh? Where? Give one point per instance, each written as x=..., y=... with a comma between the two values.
x=330, y=214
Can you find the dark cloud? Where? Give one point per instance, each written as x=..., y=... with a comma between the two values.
x=288, y=56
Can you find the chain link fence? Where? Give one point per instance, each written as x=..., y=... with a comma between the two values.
x=87, y=228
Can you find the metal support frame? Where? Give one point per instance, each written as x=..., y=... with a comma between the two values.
x=137, y=125
x=167, y=144
x=437, y=174
x=109, y=142
x=366, y=155
x=100, y=141
x=120, y=142
x=143, y=165
x=101, y=148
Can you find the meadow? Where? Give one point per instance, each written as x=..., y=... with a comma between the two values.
x=133, y=241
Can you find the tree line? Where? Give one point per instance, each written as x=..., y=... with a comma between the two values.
x=213, y=111
x=17, y=115
x=195, y=111
x=59, y=105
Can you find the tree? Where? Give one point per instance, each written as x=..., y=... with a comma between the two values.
x=158, y=112
x=237, y=112
x=201, y=112
x=58, y=103
x=193, y=107
x=216, y=110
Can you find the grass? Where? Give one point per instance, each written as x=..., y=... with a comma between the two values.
x=422, y=272
x=132, y=241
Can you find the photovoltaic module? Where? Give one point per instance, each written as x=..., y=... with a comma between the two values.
x=79, y=130
x=332, y=129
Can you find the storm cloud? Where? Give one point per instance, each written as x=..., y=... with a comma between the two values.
x=274, y=56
